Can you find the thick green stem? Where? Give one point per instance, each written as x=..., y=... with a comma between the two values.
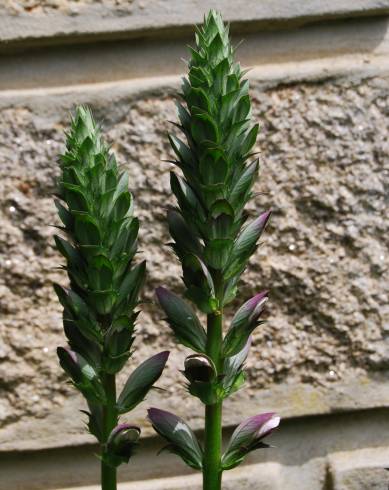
x=212, y=474
x=108, y=474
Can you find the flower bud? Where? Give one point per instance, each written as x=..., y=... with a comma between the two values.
x=122, y=441
x=69, y=363
x=199, y=368
x=248, y=436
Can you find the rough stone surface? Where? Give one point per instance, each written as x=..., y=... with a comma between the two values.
x=274, y=8
x=360, y=470
x=67, y=7
x=365, y=478
x=56, y=21
x=324, y=154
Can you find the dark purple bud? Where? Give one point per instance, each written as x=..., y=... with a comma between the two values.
x=122, y=440
x=199, y=368
x=69, y=363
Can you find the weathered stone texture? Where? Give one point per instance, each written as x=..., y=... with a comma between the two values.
x=367, y=469
x=323, y=150
x=67, y=7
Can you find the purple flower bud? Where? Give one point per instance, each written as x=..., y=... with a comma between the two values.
x=163, y=419
x=263, y=219
x=243, y=323
x=248, y=437
x=69, y=363
x=199, y=368
x=122, y=440
x=251, y=310
x=251, y=431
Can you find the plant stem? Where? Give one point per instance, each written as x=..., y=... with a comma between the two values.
x=212, y=474
x=108, y=473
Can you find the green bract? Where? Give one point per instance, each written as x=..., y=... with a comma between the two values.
x=98, y=244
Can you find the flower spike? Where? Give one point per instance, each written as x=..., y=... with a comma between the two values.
x=100, y=304
x=213, y=237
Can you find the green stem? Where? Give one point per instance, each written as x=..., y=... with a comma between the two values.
x=110, y=417
x=212, y=474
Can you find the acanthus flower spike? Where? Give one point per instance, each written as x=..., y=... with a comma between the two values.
x=212, y=234
x=100, y=306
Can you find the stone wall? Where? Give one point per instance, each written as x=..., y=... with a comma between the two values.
x=320, y=90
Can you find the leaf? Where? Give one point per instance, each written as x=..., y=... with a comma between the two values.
x=196, y=264
x=243, y=323
x=182, y=151
x=214, y=167
x=204, y=129
x=247, y=437
x=126, y=241
x=64, y=215
x=244, y=183
x=100, y=273
x=140, y=382
x=86, y=230
x=79, y=342
x=75, y=306
x=197, y=78
x=82, y=374
x=186, y=196
x=220, y=207
x=132, y=284
x=118, y=341
x=232, y=368
x=103, y=301
x=217, y=252
x=250, y=140
x=242, y=111
x=196, y=96
x=122, y=206
x=182, y=441
x=182, y=320
x=70, y=253
x=75, y=198
x=245, y=244
x=182, y=234
x=95, y=420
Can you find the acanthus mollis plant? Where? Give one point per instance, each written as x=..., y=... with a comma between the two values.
x=213, y=240
x=100, y=306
